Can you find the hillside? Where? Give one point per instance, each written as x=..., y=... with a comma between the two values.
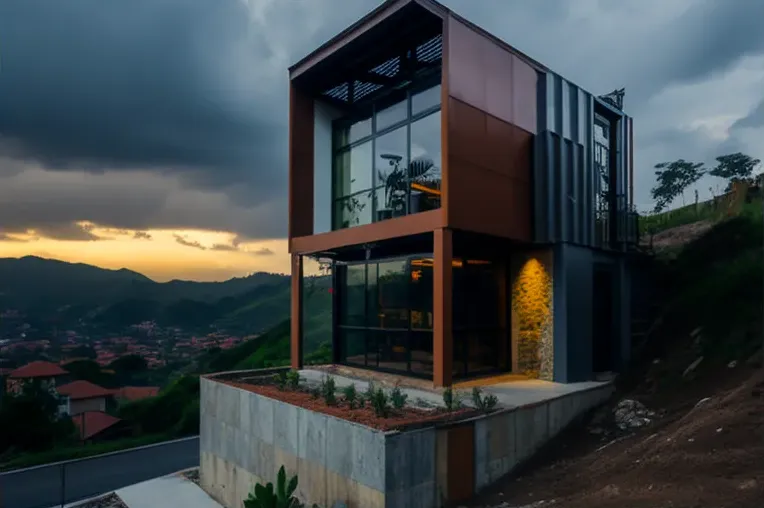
x=699, y=375
x=33, y=282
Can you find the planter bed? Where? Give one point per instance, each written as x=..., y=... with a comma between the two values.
x=406, y=418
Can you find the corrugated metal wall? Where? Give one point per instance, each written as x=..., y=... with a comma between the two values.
x=565, y=181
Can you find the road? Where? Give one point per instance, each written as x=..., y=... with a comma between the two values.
x=40, y=486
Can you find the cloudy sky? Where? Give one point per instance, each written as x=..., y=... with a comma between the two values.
x=152, y=133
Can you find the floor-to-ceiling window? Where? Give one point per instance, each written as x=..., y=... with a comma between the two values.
x=385, y=318
x=479, y=318
x=387, y=157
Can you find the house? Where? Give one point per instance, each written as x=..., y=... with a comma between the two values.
x=83, y=396
x=48, y=374
x=95, y=426
x=474, y=207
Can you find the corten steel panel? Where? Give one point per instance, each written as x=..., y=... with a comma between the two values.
x=461, y=462
x=524, y=95
x=422, y=222
x=466, y=71
x=442, y=346
x=489, y=174
x=301, y=125
x=296, y=311
x=497, y=64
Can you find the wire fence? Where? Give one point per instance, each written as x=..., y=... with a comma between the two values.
x=60, y=483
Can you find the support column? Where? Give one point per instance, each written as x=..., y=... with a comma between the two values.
x=296, y=312
x=442, y=336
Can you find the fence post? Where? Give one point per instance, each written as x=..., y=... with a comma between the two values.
x=63, y=484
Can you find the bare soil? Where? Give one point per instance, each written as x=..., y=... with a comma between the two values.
x=109, y=501
x=398, y=419
x=706, y=455
x=678, y=236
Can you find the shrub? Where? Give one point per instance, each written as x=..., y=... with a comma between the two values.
x=369, y=393
x=281, y=380
x=397, y=397
x=264, y=496
x=328, y=389
x=379, y=403
x=293, y=379
x=315, y=392
x=451, y=400
x=486, y=403
x=351, y=396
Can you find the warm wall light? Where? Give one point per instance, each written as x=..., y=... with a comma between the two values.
x=532, y=303
x=416, y=275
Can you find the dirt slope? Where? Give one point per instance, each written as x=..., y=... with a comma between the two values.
x=709, y=456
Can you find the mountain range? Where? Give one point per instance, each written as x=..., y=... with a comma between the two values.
x=49, y=290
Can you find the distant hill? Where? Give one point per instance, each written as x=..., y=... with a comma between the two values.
x=33, y=282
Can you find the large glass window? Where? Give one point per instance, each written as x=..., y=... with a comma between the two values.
x=387, y=164
x=386, y=314
x=478, y=326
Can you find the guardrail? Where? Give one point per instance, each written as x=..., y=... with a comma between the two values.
x=60, y=483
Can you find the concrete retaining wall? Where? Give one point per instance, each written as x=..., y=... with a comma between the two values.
x=245, y=438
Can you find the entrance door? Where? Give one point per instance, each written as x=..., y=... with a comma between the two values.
x=602, y=321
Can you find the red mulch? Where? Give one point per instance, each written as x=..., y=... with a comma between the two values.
x=398, y=419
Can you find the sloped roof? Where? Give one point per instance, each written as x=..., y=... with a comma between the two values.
x=136, y=392
x=38, y=369
x=78, y=390
x=91, y=423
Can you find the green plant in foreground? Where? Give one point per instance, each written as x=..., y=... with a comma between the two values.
x=369, y=393
x=293, y=379
x=281, y=380
x=264, y=496
x=397, y=397
x=328, y=390
x=379, y=403
x=486, y=403
x=315, y=392
x=451, y=400
x=351, y=396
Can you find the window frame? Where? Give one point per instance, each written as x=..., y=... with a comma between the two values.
x=364, y=109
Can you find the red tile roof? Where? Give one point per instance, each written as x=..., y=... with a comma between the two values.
x=79, y=390
x=91, y=423
x=137, y=392
x=38, y=369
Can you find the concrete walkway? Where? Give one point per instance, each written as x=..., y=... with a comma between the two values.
x=169, y=492
x=516, y=393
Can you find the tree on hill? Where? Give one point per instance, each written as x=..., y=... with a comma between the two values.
x=29, y=420
x=83, y=351
x=673, y=179
x=129, y=364
x=735, y=167
x=88, y=370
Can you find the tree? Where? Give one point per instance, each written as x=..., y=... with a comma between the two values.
x=734, y=167
x=129, y=364
x=673, y=179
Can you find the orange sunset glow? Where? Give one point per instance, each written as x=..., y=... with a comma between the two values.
x=159, y=254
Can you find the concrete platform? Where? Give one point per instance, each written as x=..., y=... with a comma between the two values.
x=245, y=437
x=172, y=491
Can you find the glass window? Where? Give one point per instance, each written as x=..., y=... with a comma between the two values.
x=350, y=133
x=390, y=301
x=392, y=114
x=353, y=343
x=353, y=210
x=391, y=161
x=426, y=99
x=421, y=294
x=424, y=169
x=352, y=171
x=353, y=281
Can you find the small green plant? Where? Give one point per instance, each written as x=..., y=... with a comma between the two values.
x=380, y=403
x=281, y=380
x=397, y=397
x=351, y=396
x=264, y=496
x=315, y=392
x=369, y=393
x=451, y=400
x=328, y=390
x=292, y=379
x=483, y=403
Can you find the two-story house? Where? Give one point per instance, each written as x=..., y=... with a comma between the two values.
x=472, y=204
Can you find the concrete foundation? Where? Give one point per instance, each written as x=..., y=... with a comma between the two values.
x=246, y=437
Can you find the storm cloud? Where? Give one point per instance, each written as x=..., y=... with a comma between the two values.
x=148, y=114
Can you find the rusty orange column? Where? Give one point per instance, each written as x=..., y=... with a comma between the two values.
x=296, y=312
x=443, y=341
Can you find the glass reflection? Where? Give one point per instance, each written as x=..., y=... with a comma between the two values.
x=424, y=100
x=424, y=170
x=353, y=132
x=352, y=170
x=392, y=115
x=391, y=160
x=353, y=210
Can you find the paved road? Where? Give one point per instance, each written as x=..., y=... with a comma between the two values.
x=40, y=486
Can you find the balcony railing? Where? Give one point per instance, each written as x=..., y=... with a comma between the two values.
x=626, y=232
